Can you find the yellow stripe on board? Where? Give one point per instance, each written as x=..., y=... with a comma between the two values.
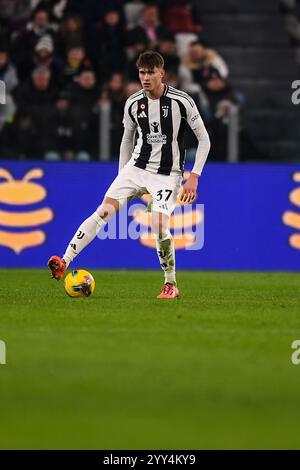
x=186, y=219
x=180, y=241
x=26, y=219
x=19, y=241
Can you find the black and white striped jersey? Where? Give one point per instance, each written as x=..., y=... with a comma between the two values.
x=161, y=124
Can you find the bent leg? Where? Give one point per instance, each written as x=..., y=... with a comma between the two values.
x=126, y=184
x=89, y=229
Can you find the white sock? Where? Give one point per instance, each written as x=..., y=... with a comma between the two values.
x=166, y=255
x=84, y=235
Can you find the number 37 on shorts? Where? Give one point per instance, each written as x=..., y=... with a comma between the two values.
x=165, y=196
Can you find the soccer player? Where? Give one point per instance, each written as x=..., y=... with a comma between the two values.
x=159, y=114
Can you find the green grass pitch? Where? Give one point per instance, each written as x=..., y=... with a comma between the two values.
x=123, y=370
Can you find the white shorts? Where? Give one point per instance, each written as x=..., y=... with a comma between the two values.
x=131, y=180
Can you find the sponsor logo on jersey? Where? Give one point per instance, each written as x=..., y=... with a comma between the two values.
x=195, y=117
x=142, y=115
x=156, y=139
x=155, y=127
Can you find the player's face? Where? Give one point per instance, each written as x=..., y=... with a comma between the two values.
x=151, y=79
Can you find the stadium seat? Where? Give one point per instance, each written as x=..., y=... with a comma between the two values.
x=238, y=6
x=245, y=30
x=251, y=37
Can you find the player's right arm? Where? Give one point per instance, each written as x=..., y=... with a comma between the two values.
x=128, y=138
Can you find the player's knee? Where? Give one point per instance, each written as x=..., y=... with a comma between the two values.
x=107, y=209
x=162, y=236
x=160, y=226
x=159, y=223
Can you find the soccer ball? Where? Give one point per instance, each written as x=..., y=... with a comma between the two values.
x=79, y=283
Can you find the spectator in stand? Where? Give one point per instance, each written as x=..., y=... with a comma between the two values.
x=63, y=129
x=131, y=70
x=76, y=61
x=291, y=11
x=85, y=90
x=114, y=89
x=171, y=78
x=7, y=111
x=34, y=99
x=131, y=88
x=55, y=8
x=220, y=98
x=37, y=92
x=24, y=45
x=93, y=11
x=9, y=76
x=44, y=56
x=150, y=31
x=8, y=73
x=84, y=99
x=194, y=65
x=133, y=10
x=181, y=16
x=13, y=15
x=19, y=138
x=114, y=92
x=108, y=46
x=219, y=93
x=71, y=34
x=167, y=47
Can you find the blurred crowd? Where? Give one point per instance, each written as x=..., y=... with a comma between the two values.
x=291, y=12
x=62, y=59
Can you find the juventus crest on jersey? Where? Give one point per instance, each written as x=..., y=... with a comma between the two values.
x=161, y=124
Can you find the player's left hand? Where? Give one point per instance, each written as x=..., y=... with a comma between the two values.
x=189, y=190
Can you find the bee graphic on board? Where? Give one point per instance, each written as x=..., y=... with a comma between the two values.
x=22, y=193
x=292, y=218
x=179, y=222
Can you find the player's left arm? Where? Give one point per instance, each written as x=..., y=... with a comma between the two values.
x=189, y=192
x=126, y=147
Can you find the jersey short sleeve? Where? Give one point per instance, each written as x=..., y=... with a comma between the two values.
x=128, y=119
